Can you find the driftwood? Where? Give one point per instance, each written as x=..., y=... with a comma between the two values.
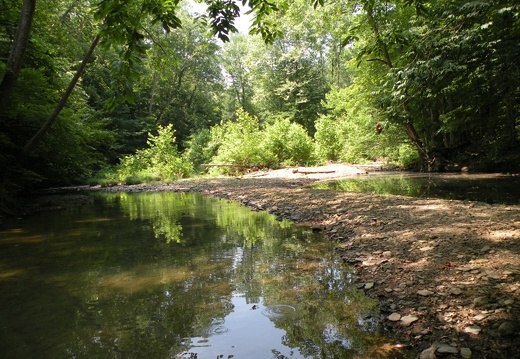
x=310, y=172
x=221, y=165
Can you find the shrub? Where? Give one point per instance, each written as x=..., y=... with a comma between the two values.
x=289, y=143
x=200, y=149
x=240, y=143
x=159, y=161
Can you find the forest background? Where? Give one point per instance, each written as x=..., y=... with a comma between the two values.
x=127, y=91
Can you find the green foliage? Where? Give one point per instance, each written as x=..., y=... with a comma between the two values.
x=159, y=161
x=289, y=143
x=329, y=138
x=407, y=156
x=348, y=132
x=240, y=144
x=198, y=149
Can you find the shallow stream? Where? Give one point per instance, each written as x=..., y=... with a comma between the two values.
x=489, y=188
x=177, y=275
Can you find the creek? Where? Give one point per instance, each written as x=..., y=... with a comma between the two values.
x=177, y=275
x=489, y=188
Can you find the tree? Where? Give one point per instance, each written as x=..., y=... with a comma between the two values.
x=14, y=62
x=123, y=26
x=236, y=59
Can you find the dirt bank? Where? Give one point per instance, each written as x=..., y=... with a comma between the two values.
x=445, y=272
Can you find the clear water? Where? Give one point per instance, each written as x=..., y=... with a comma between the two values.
x=492, y=189
x=169, y=275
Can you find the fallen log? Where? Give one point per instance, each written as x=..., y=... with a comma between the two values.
x=310, y=172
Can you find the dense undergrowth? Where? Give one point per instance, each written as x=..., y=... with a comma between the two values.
x=234, y=148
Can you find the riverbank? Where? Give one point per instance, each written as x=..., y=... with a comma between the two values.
x=444, y=272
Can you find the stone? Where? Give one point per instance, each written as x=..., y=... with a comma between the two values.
x=465, y=353
x=394, y=317
x=425, y=292
x=447, y=349
x=505, y=329
x=509, y=301
x=473, y=329
x=369, y=285
x=407, y=320
x=480, y=301
x=455, y=291
x=429, y=353
x=479, y=317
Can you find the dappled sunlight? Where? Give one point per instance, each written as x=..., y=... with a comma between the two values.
x=501, y=235
x=440, y=207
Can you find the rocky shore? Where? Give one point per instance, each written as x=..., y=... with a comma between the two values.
x=446, y=273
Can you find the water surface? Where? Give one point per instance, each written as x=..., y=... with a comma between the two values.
x=169, y=275
x=489, y=188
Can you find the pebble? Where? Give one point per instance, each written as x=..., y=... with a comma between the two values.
x=394, y=317
x=425, y=292
x=407, y=320
x=465, y=353
x=506, y=329
x=479, y=317
x=447, y=349
x=369, y=285
x=480, y=301
x=455, y=291
x=473, y=329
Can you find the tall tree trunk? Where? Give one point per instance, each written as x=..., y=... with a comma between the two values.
x=14, y=62
x=63, y=101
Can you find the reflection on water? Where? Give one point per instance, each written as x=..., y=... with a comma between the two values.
x=473, y=187
x=168, y=275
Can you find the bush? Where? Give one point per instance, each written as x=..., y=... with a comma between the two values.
x=160, y=161
x=289, y=143
x=240, y=143
x=329, y=139
x=200, y=149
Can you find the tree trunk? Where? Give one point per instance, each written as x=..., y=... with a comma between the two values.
x=63, y=101
x=14, y=62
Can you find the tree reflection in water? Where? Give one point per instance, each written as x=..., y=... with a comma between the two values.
x=169, y=275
